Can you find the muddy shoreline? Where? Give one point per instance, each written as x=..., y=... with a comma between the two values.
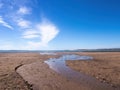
x=48, y=79
x=105, y=67
x=9, y=79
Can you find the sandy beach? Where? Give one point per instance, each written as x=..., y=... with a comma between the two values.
x=27, y=71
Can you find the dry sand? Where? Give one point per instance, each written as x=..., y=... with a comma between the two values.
x=31, y=65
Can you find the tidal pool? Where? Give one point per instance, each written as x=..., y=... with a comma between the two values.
x=48, y=53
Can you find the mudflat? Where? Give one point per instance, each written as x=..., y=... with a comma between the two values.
x=105, y=67
x=9, y=79
x=27, y=71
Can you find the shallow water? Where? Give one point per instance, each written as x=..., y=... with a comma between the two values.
x=59, y=65
x=48, y=53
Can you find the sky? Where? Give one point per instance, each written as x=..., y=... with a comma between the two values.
x=59, y=24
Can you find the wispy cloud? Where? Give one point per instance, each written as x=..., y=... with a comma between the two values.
x=19, y=17
x=23, y=23
x=35, y=35
x=23, y=10
x=5, y=23
x=28, y=34
x=44, y=31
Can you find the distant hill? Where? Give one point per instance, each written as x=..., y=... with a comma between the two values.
x=76, y=50
x=99, y=50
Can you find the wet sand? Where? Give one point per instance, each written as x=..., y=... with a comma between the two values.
x=41, y=77
x=105, y=67
x=9, y=79
x=36, y=74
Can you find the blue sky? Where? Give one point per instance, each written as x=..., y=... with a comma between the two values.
x=59, y=24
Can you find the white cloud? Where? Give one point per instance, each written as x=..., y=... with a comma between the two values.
x=48, y=31
x=5, y=23
x=23, y=23
x=23, y=10
x=18, y=17
x=28, y=34
x=34, y=36
x=45, y=32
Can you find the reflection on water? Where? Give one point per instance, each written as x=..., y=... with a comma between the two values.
x=74, y=57
x=58, y=65
x=48, y=53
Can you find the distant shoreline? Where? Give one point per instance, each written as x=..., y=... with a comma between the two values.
x=76, y=50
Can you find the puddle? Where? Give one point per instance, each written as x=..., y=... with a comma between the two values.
x=59, y=65
x=48, y=53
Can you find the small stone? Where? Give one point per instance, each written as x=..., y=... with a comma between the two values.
x=97, y=77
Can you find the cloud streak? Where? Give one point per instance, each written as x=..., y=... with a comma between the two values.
x=29, y=34
x=5, y=23
x=23, y=23
x=23, y=10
